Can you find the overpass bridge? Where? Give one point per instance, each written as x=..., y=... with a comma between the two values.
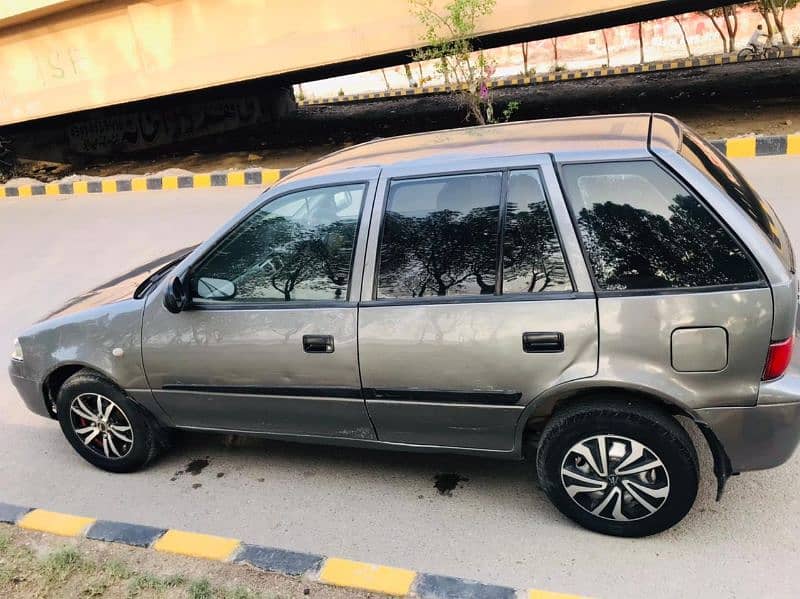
x=176, y=69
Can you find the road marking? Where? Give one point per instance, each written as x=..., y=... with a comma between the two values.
x=56, y=523
x=197, y=545
x=370, y=577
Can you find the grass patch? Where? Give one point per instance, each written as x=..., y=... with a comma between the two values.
x=62, y=564
x=201, y=589
x=149, y=582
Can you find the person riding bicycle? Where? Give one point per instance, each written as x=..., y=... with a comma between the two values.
x=755, y=39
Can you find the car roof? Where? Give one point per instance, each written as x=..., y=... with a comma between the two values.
x=575, y=134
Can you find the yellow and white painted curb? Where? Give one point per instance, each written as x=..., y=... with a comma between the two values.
x=398, y=582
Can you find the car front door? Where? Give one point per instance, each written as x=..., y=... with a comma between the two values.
x=472, y=304
x=268, y=343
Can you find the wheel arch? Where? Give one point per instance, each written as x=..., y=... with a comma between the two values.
x=538, y=413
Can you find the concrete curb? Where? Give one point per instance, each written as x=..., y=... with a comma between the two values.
x=327, y=570
x=735, y=147
x=667, y=65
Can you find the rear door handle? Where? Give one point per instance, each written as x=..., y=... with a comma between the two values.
x=542, y=342
x=318, y=344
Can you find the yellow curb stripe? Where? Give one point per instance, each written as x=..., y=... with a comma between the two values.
x=744, y=147
x=108, y=186
x=202, y=180
x=80, y=187
x=235, y=178
x=370, y=577
x=139, y=184
x=51, y=189
x=169, y=182
x=793, y=144
x=538, y=594
x=56, y=523
x=24, y=191
x=270, y=175
x=2, y=192
x=196, y=545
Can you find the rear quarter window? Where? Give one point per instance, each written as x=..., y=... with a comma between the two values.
x=718, y=169
x=641, y=229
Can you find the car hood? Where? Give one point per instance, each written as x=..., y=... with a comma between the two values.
x=119, y=288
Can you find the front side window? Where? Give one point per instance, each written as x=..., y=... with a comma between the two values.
x=297, y=247
x=439, y=237
x=643, y=230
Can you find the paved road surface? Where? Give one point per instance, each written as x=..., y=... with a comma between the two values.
x=367, y=505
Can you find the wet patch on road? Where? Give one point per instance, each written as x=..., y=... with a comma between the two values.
x=195, y=467
x=447, y=482
x=220, y=474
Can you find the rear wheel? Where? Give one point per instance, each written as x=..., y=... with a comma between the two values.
x=618, y=468
x=104, y=426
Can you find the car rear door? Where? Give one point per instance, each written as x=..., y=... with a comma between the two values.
x=475, y=299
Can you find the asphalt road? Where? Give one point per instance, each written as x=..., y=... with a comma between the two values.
x=497, y=526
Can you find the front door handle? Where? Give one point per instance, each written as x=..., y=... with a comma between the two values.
x=542, y=342
x=318, y=344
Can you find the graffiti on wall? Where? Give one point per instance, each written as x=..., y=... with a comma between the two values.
x=160, y=127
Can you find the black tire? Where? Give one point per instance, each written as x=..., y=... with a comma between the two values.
x=624, y=423
x=147, y=437
x=746, y=53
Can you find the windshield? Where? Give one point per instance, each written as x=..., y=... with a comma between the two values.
x=719, y=170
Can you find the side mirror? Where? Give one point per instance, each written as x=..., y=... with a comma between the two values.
x=175, y=298
x=215, y=289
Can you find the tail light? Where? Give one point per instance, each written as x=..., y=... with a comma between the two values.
x=778, y=358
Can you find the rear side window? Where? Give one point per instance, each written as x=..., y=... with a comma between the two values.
x=718, y=169
x=440, y=237
x=643, y=230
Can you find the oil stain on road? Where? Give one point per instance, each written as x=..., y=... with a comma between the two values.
x=447, y=482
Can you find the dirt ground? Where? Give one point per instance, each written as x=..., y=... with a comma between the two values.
x=719, y=101
x=40, y=565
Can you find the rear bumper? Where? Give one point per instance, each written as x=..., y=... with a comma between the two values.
x=30, y=391
x=764, y=435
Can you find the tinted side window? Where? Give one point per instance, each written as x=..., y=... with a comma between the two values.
x=532, y=258
x=297, y=247
x=644, y=230
x=439, y=237
x=718, y=169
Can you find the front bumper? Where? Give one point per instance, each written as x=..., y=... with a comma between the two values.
x=764, y=435
x=30, y=391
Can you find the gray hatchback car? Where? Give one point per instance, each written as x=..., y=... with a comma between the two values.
x=560, y=289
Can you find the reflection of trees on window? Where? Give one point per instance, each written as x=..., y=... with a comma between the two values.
x=643, y=230
x=443, y=253
x=632, y=248
x=532, y=258
x=295, y=248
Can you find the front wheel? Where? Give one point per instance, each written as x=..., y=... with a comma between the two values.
x=104, y=425
x=746, y=53
x=618, y=468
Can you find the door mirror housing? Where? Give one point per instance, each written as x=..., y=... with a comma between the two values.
x=175, y=298
x=215, y=289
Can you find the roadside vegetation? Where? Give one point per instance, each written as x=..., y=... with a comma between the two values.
x=34, y=565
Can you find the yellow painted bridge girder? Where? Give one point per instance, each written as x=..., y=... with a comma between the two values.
x=63, y=56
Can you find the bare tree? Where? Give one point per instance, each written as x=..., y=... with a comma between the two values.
x=731, y=24
x=683, y=32
x=409, y=76
x=710, y=14
x=641, y=43
x=776, y=8
x=554, y=42
x=524, y=47
x=386, y=80
x=605, y=43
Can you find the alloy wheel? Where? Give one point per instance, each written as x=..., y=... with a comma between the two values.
x=615, y=478
x=101, y=425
